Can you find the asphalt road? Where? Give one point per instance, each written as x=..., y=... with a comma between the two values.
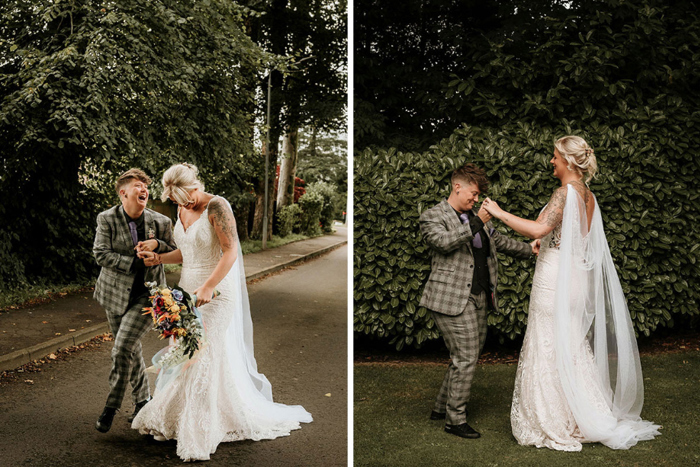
x=300, y=325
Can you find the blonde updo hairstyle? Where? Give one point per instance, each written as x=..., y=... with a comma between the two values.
x=579, y=156
x=178, y=181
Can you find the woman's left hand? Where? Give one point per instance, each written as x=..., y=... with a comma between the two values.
x=493, y=208
x=204, y=295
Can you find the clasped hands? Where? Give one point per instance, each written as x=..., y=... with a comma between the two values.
x=145, y=251
x=489, y=209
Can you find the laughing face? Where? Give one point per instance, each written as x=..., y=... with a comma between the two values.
x=135, y=196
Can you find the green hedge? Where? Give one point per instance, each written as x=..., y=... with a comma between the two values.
x=646, y=189
x=311, y=206
x=288, y=219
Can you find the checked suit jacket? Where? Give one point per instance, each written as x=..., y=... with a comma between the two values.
x=452, y=266
x=114, y=251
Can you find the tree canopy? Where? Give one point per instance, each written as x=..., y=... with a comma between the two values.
x=91, y=88
x=424, y=67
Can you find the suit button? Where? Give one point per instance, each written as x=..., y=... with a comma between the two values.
x=128, y=289
x=469, y=285
x=471, y=266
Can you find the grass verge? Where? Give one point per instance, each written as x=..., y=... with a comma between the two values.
x=393, y=402
x=253, y=246
x=30, y=295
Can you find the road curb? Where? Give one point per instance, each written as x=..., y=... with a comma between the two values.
x=277, y=267
x=35, y=352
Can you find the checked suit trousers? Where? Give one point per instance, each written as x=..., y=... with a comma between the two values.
x=464, y=336
x=127, y=360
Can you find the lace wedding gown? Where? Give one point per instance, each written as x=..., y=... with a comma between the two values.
x=219, y=395
x=579, y=377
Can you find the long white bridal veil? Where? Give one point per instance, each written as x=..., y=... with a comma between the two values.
x=606, y=393
x=255, y=388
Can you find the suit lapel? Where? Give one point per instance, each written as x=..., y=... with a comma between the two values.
x=149, y=224
x=454, y=220
x=450, y=214
x=123, y=227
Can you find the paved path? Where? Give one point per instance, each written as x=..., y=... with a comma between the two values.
x=300, y=323
x=32, y=333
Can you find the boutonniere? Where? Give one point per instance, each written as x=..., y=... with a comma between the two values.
x=151, y=233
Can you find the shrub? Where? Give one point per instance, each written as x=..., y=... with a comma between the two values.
x=624, y=75
x=644, y=189
x=330, y=195
x=311, y=206
x=288, y=219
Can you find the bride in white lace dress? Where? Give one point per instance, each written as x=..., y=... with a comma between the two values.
x=218, y=395
x=579, y=377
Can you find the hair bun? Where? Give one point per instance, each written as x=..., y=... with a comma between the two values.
x=191, y=167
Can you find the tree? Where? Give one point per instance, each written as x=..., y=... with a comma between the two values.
x=90, y=88
x=323, y=158
x=313, y=89
x=407, y=51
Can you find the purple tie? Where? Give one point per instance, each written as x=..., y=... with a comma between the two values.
x=477, y=238
x=134, y=234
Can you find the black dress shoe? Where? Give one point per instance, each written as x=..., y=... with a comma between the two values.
x=463, y=431
x=137, y=409
x=104, y=423
x=441, y=415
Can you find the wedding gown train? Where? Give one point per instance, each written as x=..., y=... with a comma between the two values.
x=579, y=377
x=219, y=396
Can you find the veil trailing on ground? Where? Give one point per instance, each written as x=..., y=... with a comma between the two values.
x=240, y=355
x=591, y=316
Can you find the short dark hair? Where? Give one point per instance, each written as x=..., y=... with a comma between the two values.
x=471, y=174
x=132, y=174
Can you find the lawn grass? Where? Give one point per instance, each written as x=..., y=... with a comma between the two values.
x=393, y=402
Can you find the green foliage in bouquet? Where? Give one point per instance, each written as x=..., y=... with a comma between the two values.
x=645, y=189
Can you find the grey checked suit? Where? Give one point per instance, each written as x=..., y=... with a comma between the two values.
x=460, y=316
x=114, y=251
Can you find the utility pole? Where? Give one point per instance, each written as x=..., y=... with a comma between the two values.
x=267, y=160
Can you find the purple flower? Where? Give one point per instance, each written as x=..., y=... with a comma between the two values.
x=177, y=295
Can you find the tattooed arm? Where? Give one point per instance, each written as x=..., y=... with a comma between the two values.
x=548, y=219
x=222, y=219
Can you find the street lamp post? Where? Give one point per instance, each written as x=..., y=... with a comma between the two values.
x=267, y=161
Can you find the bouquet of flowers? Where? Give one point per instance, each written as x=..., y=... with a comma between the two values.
x=174, y=315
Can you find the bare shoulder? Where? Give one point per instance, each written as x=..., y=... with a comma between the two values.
x=217, y=204
x=558, y=199
x=222, y=219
